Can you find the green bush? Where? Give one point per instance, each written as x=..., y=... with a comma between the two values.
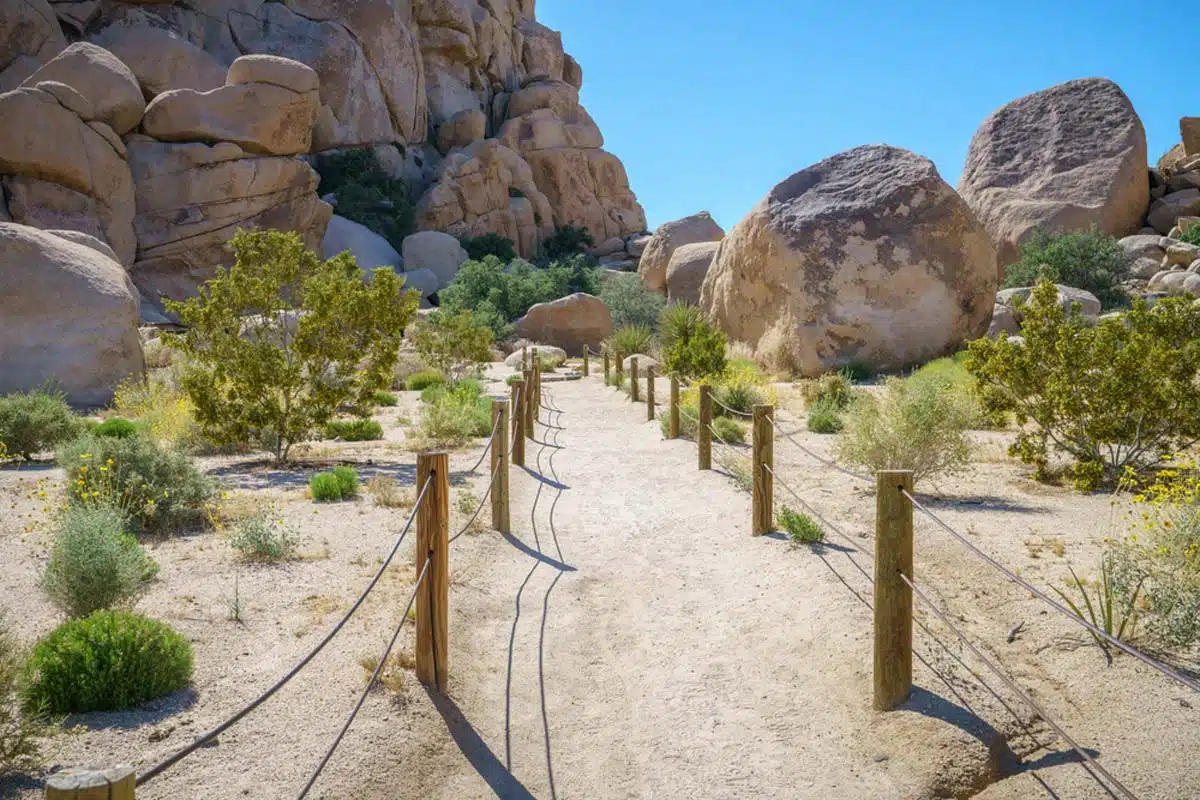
x=1191, y=235
x=913, y=425
x=385, y=399
x=1089, y=261
x=511, y=379
x=457, y=415
x=354, y=430
x=801, y=527
x=823, y=417
x=858, y=371
x=729, y=430
x=740, y=397
x=1119, y=394
x=631, y=340
x=490, y=244
x=325, y=487
x=831, y=390
x=347, y=478
x=566, y=241
x=366, y=193
x=631, y=303
x=108, y=661
x=116, y=427
x=453, y=343
x=95, y=563
x=692, y=348
x=952, y=375
x=259, y=537
x=423, y=380
x=31, y=422
x=157, y=487
x=19, y=732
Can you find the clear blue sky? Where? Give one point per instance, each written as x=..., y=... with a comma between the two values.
x=710, y=103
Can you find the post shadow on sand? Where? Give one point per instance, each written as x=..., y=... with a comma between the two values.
x=502, y=782
x=537, y=476
x=535, y=554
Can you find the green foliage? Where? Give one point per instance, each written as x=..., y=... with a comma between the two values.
x=454, y=416
x=801, y=527
x=19, y=732
x=630, y=302
x=325, y=488
x=347, y=478
x=831, y=391
x=729, y=430
x=366, y=194
x=490, y=244
x=453, y=343
x=692, y=348
x=914, y=425
x=423, y=380
x=386, y=399
x=95, y=563
x=566, y=241
x=823, y=417
x=354, y=430
x=31, y=422
x=511, y=379
x=116, y=427
x=1191, y=235
x=631, y=340
x=262, y=538
x=282, y=340
x=737, y=398
x=1118, y=394
x=108, y=661
x=1089, y=261
x=688, y=414
x=158, y=488
x=952, y=375
x=858, y=371
x=1113, y=612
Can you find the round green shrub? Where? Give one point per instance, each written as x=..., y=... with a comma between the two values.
x=31, y=422
x=741, y=398
x=108, y=661
x=386, y=399
x=729, y=430
x=422, y=380
x=347, y=478
x=823, y=418
x=325, y=487
x=354, y=430
x=116, y=428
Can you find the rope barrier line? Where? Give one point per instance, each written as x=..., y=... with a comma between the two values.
x=1016, y=689
x=491, y=440
x=733, y=411
x=846, y=538
x=822, y=459
x=262, y=698
x=367, y=690
x=478, y=508
x=1133, y=651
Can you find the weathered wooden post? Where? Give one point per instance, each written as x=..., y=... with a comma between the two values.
x=607, y=371
x=585, y=360
x=528, y=402
x=650, y=393
x=535, y=366
x=433, y=536
x=91, y=784
x=763, y=460
x=620, y=368
x=674, y=413
x=893, y=597
x=518, y=414
x=633, y=379
x=500, y=519
x=704, y=427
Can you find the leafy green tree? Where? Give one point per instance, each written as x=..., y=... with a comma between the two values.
x=282, y=340
x=1122, y=393
x=453, y=343
x=1089, y=261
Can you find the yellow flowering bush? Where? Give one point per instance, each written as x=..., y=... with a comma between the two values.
x=168, y=413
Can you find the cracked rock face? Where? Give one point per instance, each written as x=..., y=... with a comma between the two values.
x=868, y=256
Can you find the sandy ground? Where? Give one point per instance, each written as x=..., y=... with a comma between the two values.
x=630, y=638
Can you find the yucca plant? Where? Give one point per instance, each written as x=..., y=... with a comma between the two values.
x=1102, y=614
x=631, y=340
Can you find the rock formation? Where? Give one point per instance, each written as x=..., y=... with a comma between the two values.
x=687, y=270
x=571, y=323
x=1064, y=159
x=656, y=257
x=867, y=256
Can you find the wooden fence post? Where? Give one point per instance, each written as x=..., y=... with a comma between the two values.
x=518, y=415
x=704, y=427
x=650, y=393
x=585, y=360
x=91, y=784
x=620, y=369
x=527, y=404
x=674, y=414
x=763, y=458
x=607, y=371
x=633, y=379
x=433, y=534
x=500, y=519
x=893, y=597
x=537, y=390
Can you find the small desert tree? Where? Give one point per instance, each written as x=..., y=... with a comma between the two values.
x=453, y=343
x=691, y=347
x=282, y=340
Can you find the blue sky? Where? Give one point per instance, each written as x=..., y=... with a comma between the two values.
x=709, y=103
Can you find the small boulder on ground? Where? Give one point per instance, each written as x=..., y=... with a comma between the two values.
x=1004, y=322
x=1165, y=213
x=438, y=252
x=643, y=362
x=571, y=323
x=670, y=236
x=514, y=358
x=1015, y=299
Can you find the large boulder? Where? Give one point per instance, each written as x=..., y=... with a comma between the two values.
x=571, y=323
x=275, y=70
x=161, y=60
x=98, y=75
x=462, y=129
x=1166, y=212
x=867, y=256
x=369, y=249
x=68, y=316
x=687, y=270
x=424, y=282
x=656, y=257
x=1064, y=159
x=29, y=37
x=438, y=252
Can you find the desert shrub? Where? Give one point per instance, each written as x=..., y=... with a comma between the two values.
x=421, y=381
x=366, y=193
x=736, y=399
x=283, y=339
x=454, y=416
x=511, y=379
x=19, y=732
x=166, y=412
x=157, y=353
x=263, y=538
x=1089, y=261
x=490, y=244
x=566, y=241
x=823, y=417
x=95, y=562
x=347, y=478
x=1121, y=393
x=1191, y=235
x=858, y=371
x=408, y=363
x=952, y=375
x=729, y=430
x=354, y=430
x=157, y=487
x=631, y=302
x=108, y=661
x=692, y=348
x=742, y=375
x=631, y=340
x=688, y=414
x=325, y=487
x=800, y=526
x=916, y=426
x=385, y=399
x=388, y=492
x=453, y=343
x=116, y=427
x=31, y=422
x=831, y=390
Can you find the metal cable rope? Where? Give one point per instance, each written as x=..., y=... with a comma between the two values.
x=367, y=690
x=483, y=455
x=1133, y=651
x=482, y=500
x=733, y=411
x=262, y=698
x=824, y=461
x=1016, y=689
